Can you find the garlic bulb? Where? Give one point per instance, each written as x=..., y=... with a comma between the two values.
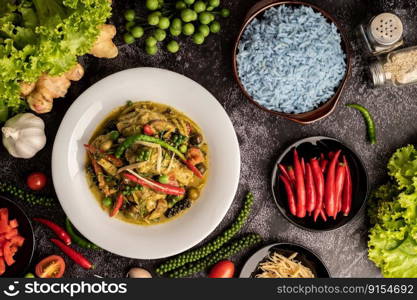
x=24, y=135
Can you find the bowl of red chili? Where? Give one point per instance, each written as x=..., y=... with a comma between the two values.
x=319, y=184
x=21, y=257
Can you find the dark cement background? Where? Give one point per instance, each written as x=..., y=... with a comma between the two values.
x=261, y=135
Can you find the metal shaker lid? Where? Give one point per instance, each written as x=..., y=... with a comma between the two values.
x=386, y=29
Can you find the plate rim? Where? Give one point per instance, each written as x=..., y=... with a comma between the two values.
x=228, y=202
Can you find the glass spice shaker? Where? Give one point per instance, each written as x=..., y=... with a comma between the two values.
x=398, y=68
x=382, y=34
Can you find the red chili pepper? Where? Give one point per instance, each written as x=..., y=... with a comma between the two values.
x=303, y=165
x=113, y=159
x=117, y=205
x=319, y=183
x=284, y=172
x=311, y=194
x=323, y=165
x=347, y=190
x=156, y=186
x=193, y=169
x=330, y=199
x=290, y=194
x=299, y=186
x=323, y=215
x=148, y=130
x=74, y=255
x=331, y=155
x=291, y=174
x=59, y=231
x=340, y=180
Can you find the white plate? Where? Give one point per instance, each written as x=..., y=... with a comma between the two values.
x=68, y=161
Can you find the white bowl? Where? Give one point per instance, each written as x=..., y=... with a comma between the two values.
x=69, y=158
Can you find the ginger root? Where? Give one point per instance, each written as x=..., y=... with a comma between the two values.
x=104, y=46
x=40, y=95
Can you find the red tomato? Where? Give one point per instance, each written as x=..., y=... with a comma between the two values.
x=148, y=130
x=36, y=181
x=50, y=267
x=223, y=269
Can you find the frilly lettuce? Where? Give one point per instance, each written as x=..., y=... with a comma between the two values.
x=44, y=36
x=393, y=212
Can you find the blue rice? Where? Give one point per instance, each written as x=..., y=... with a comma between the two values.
x=291, y=60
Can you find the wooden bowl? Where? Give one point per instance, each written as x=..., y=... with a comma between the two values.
x=324, y=109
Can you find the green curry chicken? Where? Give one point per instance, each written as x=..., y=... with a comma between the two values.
x=147, y=163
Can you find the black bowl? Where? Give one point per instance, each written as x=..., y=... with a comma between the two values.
x=24, y=255
x=309, y=148
x=307, y=258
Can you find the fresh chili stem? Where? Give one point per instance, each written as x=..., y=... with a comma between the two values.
x=284, y=172
x=291, y=174
x=78, y=258
x=347, y=190
x=156, y=186
x=368, y=120
x=311, y=194
x=319, y=183
x=80, y=241
x=117, y=205
x=290, y=194
x=58, y=230
x=299, y=186
x=329, y=193
x=145, y=138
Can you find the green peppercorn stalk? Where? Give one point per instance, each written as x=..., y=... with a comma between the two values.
x=25, y=196
x=199, y=253
x=225, y=252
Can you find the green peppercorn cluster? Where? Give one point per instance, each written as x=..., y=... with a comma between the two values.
x=168, y=20
x=224, y=252
x=128, y=190
x=194, y=255
x=178, y=207
x=144, y=154
x=25, y=196
x=177, y=139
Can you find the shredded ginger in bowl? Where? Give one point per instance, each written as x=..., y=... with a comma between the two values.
x=279, y=266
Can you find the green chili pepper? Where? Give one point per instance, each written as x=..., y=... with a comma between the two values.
x=368, y=119
x=80, y=241
x=145, y=138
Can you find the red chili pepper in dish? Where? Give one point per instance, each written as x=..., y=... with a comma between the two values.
x=148, y=130
x=331, y=155
x=117, y=205
x=340, y=180
x=156, y=186
x=74, y=255
x=323, y=215
x=59, y=231
x=113, y=159
x=303, y=165
x=291, y=174
x=319, y=183
x=299, y=186
x=347, y=190
x=323, y=165
x=290, y=195
x=311, y=196
x=193, y=168
x=284, y=172
x=329, y=189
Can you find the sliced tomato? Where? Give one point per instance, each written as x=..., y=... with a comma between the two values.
x=4, y=220
x=8, y=253
x=13, y=223
x=50, y=267
x=2, y=266
x=223, y=269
